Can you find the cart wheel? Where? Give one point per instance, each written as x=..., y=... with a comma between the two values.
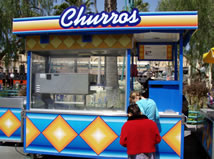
x=32, y=156
x=35, y=156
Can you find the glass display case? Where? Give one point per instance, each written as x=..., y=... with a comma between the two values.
x=76, y=81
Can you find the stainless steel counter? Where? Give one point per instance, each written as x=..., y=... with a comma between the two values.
x=208, y=113
x=12, y=102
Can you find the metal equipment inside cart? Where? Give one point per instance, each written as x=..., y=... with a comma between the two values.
x=75, y=106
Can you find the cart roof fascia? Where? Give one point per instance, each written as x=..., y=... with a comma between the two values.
x=152, y=26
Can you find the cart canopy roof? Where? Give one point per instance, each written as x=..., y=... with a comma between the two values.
x=145, y=26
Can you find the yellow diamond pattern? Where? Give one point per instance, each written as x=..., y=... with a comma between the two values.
x=124, y=40
x=43, y=45
x=98, y=135
x=173, y=138
x=62, y=42
x=31, y=132
x=59, y=133
x=96, y=41
x=9, y=123
x=56, y=42
x=69, y=41
x=79, y=41
x=31, y=43
x=110, y=40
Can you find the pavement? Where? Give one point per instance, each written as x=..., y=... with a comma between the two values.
x=192, y=150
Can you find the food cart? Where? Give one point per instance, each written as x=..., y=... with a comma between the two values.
x=75, y=105
x=11, y=122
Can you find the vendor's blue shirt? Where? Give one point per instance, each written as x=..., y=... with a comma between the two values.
x=148, y=107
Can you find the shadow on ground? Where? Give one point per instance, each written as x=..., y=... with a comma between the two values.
x=192, y=150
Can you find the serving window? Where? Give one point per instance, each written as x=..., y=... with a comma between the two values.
x=78, y=81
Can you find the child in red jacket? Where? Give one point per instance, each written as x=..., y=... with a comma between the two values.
x=139, y=135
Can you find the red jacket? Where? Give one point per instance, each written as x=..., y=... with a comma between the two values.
x=139, y=135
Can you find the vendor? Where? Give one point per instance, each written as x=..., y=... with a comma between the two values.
x=147, y=106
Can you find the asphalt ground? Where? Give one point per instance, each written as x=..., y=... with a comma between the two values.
x=192, y=150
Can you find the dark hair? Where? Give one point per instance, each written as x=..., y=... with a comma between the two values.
x=145, y=94
x=134, y=109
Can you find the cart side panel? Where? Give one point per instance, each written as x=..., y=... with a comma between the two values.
x=171, y=144
x=10, y=124
x=74, y=135
x=92, y=136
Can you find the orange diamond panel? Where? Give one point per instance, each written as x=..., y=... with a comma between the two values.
x=31, y=132
x=173, y=138
x=9, y=123
x=98, y=135
x=59, y=133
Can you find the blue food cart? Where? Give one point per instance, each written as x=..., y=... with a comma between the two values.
x=75, y=105
x=11, y=122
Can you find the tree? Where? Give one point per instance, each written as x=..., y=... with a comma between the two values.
x=67, y=3
x=111, y=69
x=140, y=5
x=11, y=45
x=111, y=62
x=202, y=40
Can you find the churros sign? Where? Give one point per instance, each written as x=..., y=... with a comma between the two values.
x=73, y=17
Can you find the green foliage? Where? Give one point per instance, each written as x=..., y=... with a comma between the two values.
x=67, y=3
x=202, y=39
x=196, y=93
x=140, y=5
x=11, y=45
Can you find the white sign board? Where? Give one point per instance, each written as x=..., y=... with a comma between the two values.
x=155, y=52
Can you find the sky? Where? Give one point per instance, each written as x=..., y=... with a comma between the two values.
x=121, y=4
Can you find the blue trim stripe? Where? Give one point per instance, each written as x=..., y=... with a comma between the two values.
x=35, y=18
x=128, y=75
x=176, y=61
x=28, y=80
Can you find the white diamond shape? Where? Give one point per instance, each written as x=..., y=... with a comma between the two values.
x=98, y=135
x=59, y=133
x=8, y=123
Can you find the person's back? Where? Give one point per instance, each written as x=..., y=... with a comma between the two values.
x=148, y=107
x=139, y=135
